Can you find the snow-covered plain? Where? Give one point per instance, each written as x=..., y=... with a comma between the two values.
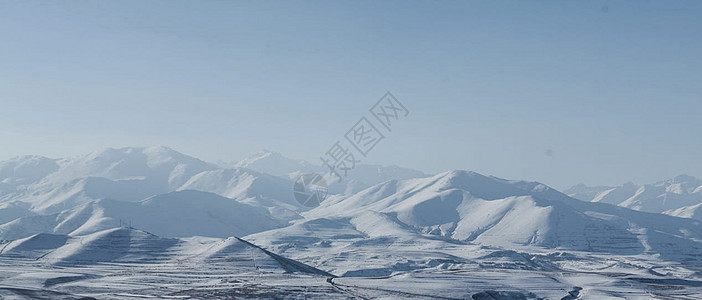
x=152, y=222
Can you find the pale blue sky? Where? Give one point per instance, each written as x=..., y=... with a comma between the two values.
x=611, y=88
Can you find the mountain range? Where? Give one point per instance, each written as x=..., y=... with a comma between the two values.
x=155, y=205
x=148, y=187
x=680, y=196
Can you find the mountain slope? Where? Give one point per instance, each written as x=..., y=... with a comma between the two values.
x=176, y=214
x=160, y=166
x=361, y=177
x=24, y=170
x=50, y=186
x=250, y=187
x=127, y=245
x=35, y=246
x=692, y=212
x=470, y=207
x=677, y=194
x=12, y=211
x=112, y=245
x=128, y=174
x=276, y=164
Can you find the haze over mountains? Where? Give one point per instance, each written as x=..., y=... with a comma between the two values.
x=150, y=187
x=464, y=206
x=156, y=188
x=363, y=175
x=680, y=196
x=157, y=206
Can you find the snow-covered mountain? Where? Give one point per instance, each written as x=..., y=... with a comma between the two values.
x=24, y=170
x=160, y=167
x=128, y=174
x=276, y=164
x=693, y=212
x=50, y=186
x=458, y=233
x=93, y=192
x=469, y=207
x=250, y=187
x=176, y=214
x=679, y=196
x=361, y=177
x=127, y=245
x=12, y=211
x=125, y=263
x=472, y=230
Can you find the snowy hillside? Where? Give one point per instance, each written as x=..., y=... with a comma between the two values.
x=93, y=192
x=276, y=164
x=48, y=186
x=250, y=187
x=176, y=214
x=693, y=212
x=679, y=196
x=161, y=167
x=211, y=232
x=128, y=174
x=12, y=211
x=469, y=207
x=126, y=245
x=361, y=177
x=24, y=170
x=479, y=231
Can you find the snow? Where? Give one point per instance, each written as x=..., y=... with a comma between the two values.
x=361, y=177
x=34, y=246
x=12, y=211
x=693, y=212
x=677, y=194
x=176, y=214
x=193, y=229
x=249, y=187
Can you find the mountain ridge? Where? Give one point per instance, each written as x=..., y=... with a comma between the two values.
x=676, y=196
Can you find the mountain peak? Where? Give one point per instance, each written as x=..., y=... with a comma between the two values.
x=275, y=164
x=150, y=150
x=152, y=155
x=23, y=158
x=459, y=173
x=26, y=169
x=685, y=178
x=265, y=154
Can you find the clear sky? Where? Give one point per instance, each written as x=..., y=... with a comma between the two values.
x=562, y=92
